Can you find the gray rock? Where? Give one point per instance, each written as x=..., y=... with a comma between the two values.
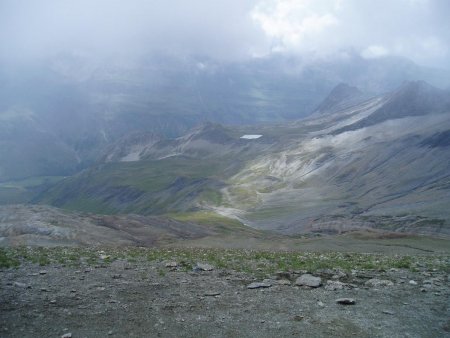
x=412, y=282
x=339, y=274
x=346, y=301
x=259, y=285
x=211, y=293
x=388, y=312
x=43, y=272
x=67, y=335
x=309, y=280
x=375, y=282
x=203, y=267
x=335, y=285
x=171, y=264
x=20, y=285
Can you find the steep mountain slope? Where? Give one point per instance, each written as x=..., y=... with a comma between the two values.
x=376, y=161
x=341, y=97
x=372, y=164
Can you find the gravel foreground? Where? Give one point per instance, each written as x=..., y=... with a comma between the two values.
x=164, y=298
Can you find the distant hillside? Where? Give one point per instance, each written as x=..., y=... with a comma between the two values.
x=370, y=165
x=79, y=108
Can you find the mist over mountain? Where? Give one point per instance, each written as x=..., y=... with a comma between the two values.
x=80, y=108
x=157, y=109
x=170, y=168
x=347, y=168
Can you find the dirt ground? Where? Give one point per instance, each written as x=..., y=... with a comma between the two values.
x=151, y=300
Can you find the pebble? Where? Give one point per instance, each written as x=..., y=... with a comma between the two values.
x=412, y=282
x=211, y=293
x=387, y=312
x=375, y=282
x=43, y=272
x=259, y=285
x=171, y=264
x=20, y=285
x=319, y=303
x=309, y=280
x=346, y=301
x=67, y=335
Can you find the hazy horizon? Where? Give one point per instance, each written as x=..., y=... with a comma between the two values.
x=227, y=30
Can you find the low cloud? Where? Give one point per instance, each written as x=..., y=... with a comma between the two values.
x=374, y=52
x=226, y=29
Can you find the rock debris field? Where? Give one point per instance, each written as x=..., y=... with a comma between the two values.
x=170, y=296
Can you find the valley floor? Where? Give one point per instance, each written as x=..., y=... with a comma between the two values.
x=204, y=293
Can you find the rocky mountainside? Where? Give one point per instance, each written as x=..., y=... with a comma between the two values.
x=375, y=161
x=77, y=108
x=373, y=164
x=342, y=96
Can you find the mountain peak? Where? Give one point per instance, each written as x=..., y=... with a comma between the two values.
x=418, y=98
x=415, y=87
x=340, y=97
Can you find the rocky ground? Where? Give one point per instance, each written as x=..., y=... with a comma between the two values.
x=174, y=296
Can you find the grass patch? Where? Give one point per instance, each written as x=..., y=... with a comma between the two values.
x=260, y=263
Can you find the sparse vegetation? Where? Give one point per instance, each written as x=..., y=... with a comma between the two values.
x=250, y=261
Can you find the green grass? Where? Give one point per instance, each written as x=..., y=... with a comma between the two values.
x=249, y=261
x=142, y=187
x=221, y=224
x=8, y=259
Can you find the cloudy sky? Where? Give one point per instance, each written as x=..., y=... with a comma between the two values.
x=227, y=29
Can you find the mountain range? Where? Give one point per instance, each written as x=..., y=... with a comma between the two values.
x=60, y=114
x=358, y=162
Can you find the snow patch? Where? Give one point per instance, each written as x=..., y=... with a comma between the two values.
x=250, y=137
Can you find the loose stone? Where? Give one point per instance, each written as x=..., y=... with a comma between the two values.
x=203, y=267
x=308, y=280
x=259, y=285
x=346, y=301
x=375, y=282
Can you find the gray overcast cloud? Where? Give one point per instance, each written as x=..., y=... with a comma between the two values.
x=227, y=29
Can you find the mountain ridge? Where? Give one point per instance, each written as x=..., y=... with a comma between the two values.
x=294, y=174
